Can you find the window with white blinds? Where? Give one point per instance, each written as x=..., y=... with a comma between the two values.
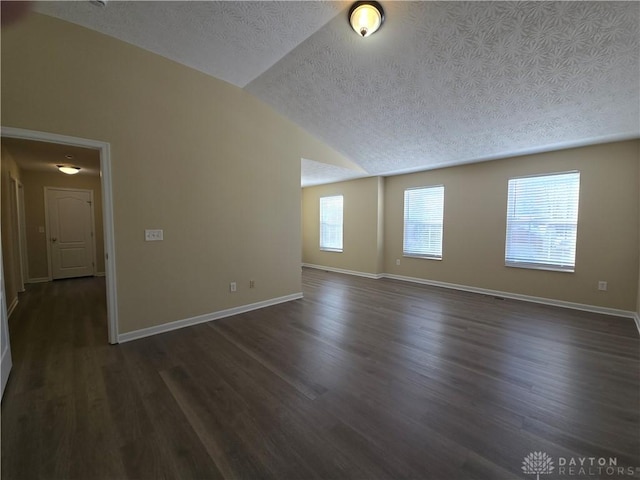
x=331, y=223
x=542, y=221
x=423, y=216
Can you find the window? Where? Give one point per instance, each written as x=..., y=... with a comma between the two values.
x=423, y=214
x=331, y=223
x=542, y=221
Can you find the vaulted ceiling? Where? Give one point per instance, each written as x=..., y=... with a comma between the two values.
x=440, y=84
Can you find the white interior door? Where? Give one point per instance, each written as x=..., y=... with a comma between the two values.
x=70, y=232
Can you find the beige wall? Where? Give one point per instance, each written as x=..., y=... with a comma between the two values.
x=214, y=167
x=34, y=183
x=362, y=236
x=10, y=247
x=475, y=224
x=638, y=298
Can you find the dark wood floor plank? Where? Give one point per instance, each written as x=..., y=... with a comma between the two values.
x=224, y=444
x=297, y=433
x=360, y=379
x=308, y=389
x=95, y=453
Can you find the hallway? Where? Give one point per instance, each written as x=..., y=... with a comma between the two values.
x=58, y=338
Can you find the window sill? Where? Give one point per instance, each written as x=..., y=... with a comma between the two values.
x=422, y=257
x=533, y=266
x=335, y=250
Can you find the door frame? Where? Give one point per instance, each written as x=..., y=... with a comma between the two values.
x=104, y=149
x=17, y=231
x=48, y=227
x=22, y=233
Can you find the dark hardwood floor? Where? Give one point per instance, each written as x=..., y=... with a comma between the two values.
x=361, y=379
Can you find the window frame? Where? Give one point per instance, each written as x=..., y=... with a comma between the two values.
x=540, y=264
x=323, y=223
x=414, y=254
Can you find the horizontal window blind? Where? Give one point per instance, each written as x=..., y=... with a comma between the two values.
x=542, y=221
x=423, y=216
x=331, y=223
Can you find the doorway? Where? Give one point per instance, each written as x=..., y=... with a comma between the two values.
x=103, y=150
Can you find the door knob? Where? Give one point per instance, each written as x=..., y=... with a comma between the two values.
x=53, y=239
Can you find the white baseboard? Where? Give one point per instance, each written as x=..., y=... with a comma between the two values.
x=39, y=280
x=207, y=317
x=12, y=306
x=347, y=272
x=517, y=296
x=496, y=293
x=636, y=318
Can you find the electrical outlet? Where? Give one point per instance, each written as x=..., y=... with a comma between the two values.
x=252, y=284
x=233, y=287
x=153, y=235
x=602, y=285
x=397, y=261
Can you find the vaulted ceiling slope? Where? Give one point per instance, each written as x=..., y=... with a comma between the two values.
x=440, y=84
x=234, y=41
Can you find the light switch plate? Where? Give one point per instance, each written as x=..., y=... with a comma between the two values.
x=153, y=235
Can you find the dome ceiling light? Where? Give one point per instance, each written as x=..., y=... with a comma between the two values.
x=68, y=169
x=366, y=17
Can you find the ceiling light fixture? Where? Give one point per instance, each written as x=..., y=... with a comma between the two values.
x=366, y=17
x=68, y=169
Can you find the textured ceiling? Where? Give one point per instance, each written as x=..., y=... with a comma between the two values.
x=233, y=41
x=441, y=83
x=447, y=83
